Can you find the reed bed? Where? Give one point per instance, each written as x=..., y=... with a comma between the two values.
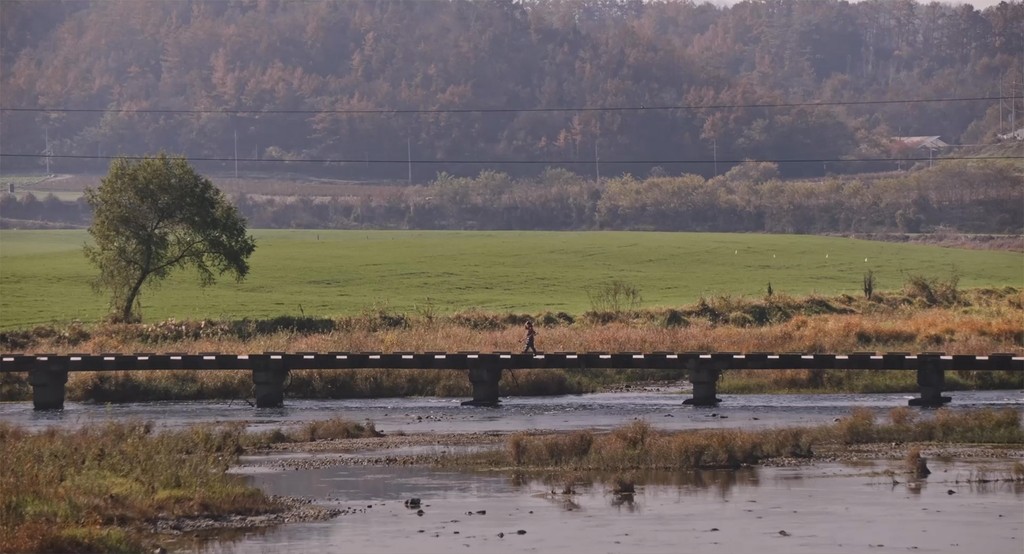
x=89, y=489
x=640, y=446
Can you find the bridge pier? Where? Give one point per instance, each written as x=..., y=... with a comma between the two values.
x=705, y=385
x=268, y=375
x=485, y=381
x=932, y=379
x=48, y=379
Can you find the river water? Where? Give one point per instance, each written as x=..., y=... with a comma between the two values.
x=824, y=508
x=663, y=409
x=820, y=508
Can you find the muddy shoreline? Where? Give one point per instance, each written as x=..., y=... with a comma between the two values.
x=296, y=510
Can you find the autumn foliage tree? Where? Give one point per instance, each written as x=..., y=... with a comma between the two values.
x=318, y=63
x=154, y=215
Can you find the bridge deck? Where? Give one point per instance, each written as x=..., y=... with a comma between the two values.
x=10, y=363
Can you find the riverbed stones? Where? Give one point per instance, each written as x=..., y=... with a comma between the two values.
x=296, y=510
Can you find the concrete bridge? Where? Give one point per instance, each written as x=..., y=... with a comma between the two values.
x=48, y=373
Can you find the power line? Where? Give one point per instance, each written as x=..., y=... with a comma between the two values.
x=524, y=162
x=507, y=110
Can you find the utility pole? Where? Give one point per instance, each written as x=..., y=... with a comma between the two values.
x=236, y=153
x=1013, y=109
x=597, y=164
x=408, y=145
x=714, y=150
x=46, y=137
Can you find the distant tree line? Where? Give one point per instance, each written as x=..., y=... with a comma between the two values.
x=963, y=196
x=408, y=55
x=16, y=212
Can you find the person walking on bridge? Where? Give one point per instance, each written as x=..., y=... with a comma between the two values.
x=530, y=334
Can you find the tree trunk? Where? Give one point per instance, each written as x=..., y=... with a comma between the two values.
x=126, y=310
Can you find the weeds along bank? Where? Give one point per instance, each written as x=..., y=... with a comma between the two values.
x=639, y=445
x=94, y=489
x=931, y=317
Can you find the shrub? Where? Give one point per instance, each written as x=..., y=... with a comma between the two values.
x=858, y=427
x=616, y=296
x=633, y=436
x=518, y=447
x=932, y=291
x=740, y=319
x=674, y=318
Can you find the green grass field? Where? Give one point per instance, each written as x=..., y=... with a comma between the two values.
x=44, y=277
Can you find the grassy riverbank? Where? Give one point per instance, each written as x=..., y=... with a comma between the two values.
x=926, y=317
x=638, y=445
x=91, y=489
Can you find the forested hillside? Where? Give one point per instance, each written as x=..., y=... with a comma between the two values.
x=326, y=58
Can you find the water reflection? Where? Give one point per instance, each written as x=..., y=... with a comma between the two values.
x=721, y=481
x=627, y=501
x=581, y=510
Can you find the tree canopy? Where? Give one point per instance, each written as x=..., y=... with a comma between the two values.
x=155, y=215
x=319, y=58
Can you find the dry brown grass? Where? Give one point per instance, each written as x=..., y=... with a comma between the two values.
x=972, y=426
x=775, y=381
x=88, y=489
x=955, y=331
x=988, y=321
x=638, y=445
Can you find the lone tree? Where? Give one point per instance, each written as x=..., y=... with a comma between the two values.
x=155, y=215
